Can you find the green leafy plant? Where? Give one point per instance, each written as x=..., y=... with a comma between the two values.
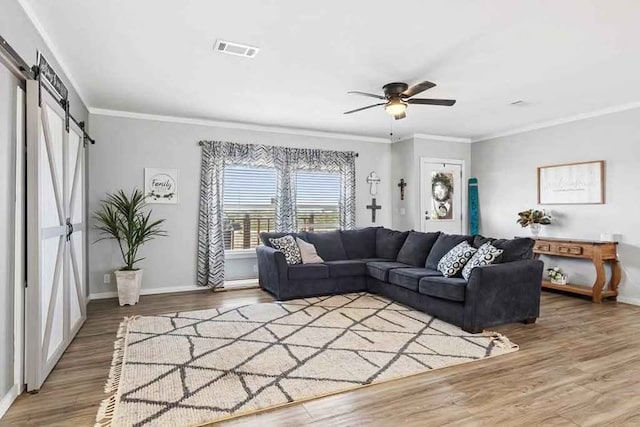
x=555, y=273
x=533, y=216
x=124, y=218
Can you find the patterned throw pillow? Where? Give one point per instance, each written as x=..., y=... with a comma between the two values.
x=487, y=254
x=288, y=246
x=453, y=262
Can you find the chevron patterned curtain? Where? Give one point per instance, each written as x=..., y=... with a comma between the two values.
x=286, y=161
x=210, y=238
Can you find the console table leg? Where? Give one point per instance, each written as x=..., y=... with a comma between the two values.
x=616, y=275
x=600, y=277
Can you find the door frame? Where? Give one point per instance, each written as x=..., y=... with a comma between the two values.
x=20, y=240
x=464, y=229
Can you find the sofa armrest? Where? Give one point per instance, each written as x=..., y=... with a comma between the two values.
x=272, y=269
x=503, y=293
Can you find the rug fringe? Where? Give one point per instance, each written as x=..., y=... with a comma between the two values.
x=108, y=405
x=500, y=340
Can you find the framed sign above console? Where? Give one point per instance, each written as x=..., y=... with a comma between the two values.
x=571, y=184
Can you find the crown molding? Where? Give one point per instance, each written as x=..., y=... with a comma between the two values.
x=442, y=138
x=561, y=121
x=237, y=125
x=28, y=10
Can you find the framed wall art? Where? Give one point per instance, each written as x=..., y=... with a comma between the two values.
x=161, y=185
x=571, y=183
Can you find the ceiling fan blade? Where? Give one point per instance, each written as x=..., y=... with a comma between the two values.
x=371, y=95
x=364, y=108
x=416, y=89
x=400, y=116
x=425, y=101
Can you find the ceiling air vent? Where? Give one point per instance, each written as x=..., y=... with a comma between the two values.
x=236, y=49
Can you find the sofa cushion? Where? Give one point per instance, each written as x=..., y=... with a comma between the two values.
x=454, y=261
x=288, y=246
x=409, y=277
x=359, y=243
x=451, y=288
x=328, y=244
x=367, y=260
x=416, y=247
x=308, y=271
x=514, y=249
x=345, y=268
x=442, y=246
x=265, y=236
x=380, y=269
x=389, y=242
x=486, y=254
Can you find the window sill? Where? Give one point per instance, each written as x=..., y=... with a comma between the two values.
x=240, y=254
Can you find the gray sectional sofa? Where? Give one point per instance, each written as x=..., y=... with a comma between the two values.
x=402, y=266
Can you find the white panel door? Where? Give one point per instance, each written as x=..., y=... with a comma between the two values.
x=441, y=196
x=55, y=302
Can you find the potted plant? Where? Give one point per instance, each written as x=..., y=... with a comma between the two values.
x=534, y=219
x=556, y=276
x=124, y=218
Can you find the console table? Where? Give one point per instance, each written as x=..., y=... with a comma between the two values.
x=599, y=252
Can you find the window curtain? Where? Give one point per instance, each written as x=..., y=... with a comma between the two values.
x=286, y=161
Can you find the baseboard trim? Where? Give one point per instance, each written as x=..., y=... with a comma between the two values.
x=231, y=284
x=629, y=300
x=149, y=291
x=8, y=399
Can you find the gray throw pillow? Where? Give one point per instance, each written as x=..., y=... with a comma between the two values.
x=442, y=246
x=415, y=249
x=453, y=262
x=288, y=246
x=487, y=254
x=389, y=242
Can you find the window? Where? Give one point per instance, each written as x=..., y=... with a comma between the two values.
x=249, y=208
x=317, y=200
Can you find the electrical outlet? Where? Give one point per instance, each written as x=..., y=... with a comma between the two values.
x=107, y=278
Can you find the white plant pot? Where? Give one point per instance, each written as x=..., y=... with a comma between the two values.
x=560, y=281
x=535, y=229
x=129, y=283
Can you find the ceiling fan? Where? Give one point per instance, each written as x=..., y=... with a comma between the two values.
x=398, y=95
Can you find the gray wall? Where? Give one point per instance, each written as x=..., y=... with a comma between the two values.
x=18, y=30
x=506, y=170
x=126, y=146
x=405, y=163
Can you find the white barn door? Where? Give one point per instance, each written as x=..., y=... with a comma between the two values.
x=55, y=299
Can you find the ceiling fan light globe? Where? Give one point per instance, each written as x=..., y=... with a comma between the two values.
x=395, y=108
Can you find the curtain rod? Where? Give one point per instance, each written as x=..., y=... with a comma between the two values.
x=201, y=143
x=22, y=70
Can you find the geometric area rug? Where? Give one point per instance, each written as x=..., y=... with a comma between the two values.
x=197, y=367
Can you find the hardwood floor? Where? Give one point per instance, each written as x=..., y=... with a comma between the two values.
x=579, y=365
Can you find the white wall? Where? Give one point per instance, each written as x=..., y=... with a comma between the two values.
x=402, y=166
x=506, y=171
x=127, y=145
x=405, y=163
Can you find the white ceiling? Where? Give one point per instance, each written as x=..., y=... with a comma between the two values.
x=155, y=56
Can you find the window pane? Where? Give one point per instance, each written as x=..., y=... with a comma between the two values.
x=248, y=205
x=318, y=196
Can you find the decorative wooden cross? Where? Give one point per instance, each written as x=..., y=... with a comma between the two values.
x=402, y=184
x=374, y=207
